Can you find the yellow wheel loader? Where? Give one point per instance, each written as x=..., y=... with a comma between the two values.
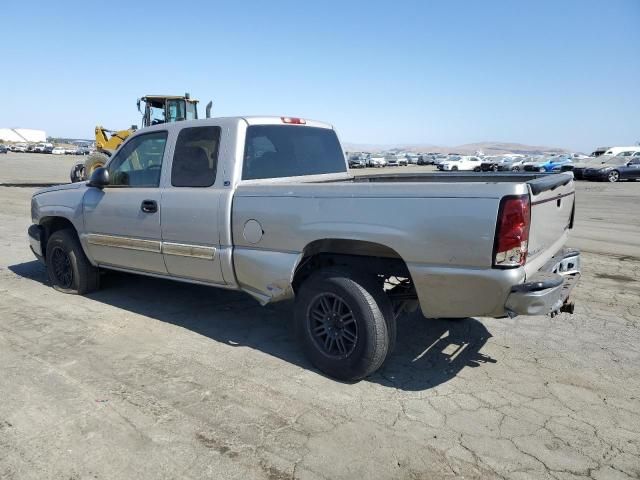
x=156, y=109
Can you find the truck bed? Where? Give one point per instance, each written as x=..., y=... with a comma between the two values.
x=539, y=182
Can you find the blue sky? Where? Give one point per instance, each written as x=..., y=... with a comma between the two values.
x=560, y=73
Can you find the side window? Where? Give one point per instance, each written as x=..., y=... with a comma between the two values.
x=195, y=160
x=139, y=162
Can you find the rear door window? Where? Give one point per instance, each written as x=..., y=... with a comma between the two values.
x=195, y=160
x=276, y=151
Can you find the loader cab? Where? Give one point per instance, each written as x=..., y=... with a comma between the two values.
x=167, y=109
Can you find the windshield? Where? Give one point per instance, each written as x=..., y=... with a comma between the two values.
x=617, y=161
x=176, y=111
x=276, y=151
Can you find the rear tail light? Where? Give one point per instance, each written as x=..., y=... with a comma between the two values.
x=512, y=232
x=293, y=120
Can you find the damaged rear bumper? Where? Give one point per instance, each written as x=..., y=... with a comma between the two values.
x=547, y=292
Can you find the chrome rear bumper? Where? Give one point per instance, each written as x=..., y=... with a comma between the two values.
x=547, y=292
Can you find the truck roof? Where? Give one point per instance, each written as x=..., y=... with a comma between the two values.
x=249, y=119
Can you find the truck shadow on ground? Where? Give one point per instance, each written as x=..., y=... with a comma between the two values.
x=428, y=352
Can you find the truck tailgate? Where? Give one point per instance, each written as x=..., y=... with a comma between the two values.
x=552, y=206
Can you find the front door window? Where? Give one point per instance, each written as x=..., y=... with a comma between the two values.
x=139, y=162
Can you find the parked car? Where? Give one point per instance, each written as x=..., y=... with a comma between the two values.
x=512, y=164
x=59, y=151
x=464, y=163
x=19, y=147
x=579, y=167
x=551, y=164
x=615, y=169
x=355, y=161
x=377, y=161
x=273, y=211
x=392, y=160
x=426, y=159
x=82, y=150
x=3, y=148
x=413, y=159
x=490, y=164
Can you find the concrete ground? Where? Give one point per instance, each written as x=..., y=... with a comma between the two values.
x=151, y=379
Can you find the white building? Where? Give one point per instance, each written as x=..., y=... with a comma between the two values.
x=22, y=135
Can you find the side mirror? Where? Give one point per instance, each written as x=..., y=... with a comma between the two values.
x=99, y=178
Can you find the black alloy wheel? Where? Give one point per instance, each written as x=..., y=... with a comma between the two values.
x=62, y=269
x=332, y=325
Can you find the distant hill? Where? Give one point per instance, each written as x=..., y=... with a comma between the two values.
x=489, y=148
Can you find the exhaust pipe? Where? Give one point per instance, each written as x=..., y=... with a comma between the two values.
x=208, y=110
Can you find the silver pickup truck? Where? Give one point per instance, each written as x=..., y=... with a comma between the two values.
x=267, y=205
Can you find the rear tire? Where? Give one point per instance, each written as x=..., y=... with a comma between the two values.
x=68, y=268
x=345, y=324
x=613, y=176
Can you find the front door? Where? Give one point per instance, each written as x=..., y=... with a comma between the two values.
x=190, y=207
x=122, y=221
x=632, y=170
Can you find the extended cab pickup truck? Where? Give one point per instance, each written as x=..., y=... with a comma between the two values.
x=267, y=205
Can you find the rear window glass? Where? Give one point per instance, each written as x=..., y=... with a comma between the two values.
x=195, y=160
x=275, y=151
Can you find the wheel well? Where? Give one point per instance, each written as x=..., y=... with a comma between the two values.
x=366, y=258
x=50, y=225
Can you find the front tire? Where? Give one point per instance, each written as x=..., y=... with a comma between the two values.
x=613, y=176
x=93, y=162
x=77, y=173
x=68, y=268
x=345, y=325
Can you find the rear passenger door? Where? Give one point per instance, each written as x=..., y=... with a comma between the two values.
x=190, y=207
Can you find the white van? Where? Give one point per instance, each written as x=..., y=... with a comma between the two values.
x=624, y=151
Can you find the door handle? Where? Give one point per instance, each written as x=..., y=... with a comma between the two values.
x=149, y=206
